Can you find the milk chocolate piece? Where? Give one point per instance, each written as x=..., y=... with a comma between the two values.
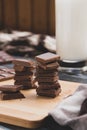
x=23, y=62
x=46, y=74
x=42, y=71
x=23, y=83
x=49, y=86
x=17, y=73
x=25, y=77
x=21, y=68
x=47, y=58
x=50, y=66
x=10, y=96
x=10, y=88
x=47, y=80
x=48, y=93
x=26, y=84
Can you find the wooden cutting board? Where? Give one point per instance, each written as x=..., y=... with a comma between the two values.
x=31, y=111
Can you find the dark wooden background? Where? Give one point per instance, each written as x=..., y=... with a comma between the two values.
x=32, y=15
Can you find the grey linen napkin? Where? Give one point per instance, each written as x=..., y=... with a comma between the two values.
x=66, y=113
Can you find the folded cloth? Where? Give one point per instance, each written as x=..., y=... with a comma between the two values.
x=67, y=112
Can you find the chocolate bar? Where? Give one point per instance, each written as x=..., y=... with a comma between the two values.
x=46, y=74
x=27, y=77
x=21, y=68
x=47, y=79
x=10, y=96
x=23, y=62
x=46, y=86
x=45, y=71
x=49, y=93
x=10, y=88
x=23, y=82
x=50, y=66
x=8, y=92
x=47, y=58
x=22, y=73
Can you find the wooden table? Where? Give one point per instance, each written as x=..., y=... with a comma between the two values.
x=31, y=111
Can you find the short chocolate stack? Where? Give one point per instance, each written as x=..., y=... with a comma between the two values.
x=8, y=92
x=47, y=75
x=23, y=73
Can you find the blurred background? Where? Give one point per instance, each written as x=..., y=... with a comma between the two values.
x=37, y=16
x=27, y=29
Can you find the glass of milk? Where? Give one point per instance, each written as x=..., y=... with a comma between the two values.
x=71, y=30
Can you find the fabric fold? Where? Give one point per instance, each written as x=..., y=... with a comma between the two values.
x=67, y=112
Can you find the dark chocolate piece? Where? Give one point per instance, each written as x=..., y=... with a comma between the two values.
x=48, y=93
x=23, y=82
x=10, y=96
x=42, y=71
x=49, y=86
x=17, y=73
x=46, y=74
x=27, y=87
x=19, y=68
x=26, y=77
x=47, y=80
x=47, y=57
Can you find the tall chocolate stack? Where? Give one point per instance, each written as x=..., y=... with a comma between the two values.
x=23, y=73
x=47, y=75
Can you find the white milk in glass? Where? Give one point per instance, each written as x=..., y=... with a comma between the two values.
x=71, y=29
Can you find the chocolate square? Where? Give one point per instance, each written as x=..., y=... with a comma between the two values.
x=47, y=57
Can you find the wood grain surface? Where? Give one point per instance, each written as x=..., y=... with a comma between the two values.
x=24, y=14
x=31, y=111
x=37, y=16
x=9, y=13
x=1, y=13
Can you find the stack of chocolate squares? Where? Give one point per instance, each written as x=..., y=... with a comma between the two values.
x=23, y=73
x=47, y=75
x=8, y=92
